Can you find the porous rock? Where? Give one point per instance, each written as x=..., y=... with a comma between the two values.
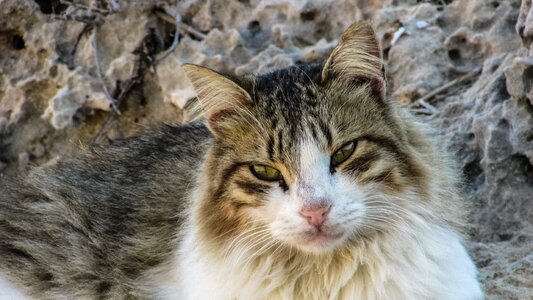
x=486, y=121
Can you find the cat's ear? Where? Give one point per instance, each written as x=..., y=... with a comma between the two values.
x=220, y=99
x=357, y=58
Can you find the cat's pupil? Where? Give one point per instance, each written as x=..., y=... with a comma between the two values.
x=342, y=154
x=266, y=173
x=283, y=185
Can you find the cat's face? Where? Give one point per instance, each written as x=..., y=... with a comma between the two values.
x=305, y=162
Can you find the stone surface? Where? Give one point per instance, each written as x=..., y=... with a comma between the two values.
x=524, y=25
x=51, y=96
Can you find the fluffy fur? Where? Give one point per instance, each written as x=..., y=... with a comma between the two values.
x=178, y=214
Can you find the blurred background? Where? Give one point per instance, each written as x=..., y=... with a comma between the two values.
x=91, y=72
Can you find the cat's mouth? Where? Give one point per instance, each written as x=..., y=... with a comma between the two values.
x=321, y=239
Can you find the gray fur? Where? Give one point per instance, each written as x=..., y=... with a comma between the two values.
x=90, y=226
x=95, y=225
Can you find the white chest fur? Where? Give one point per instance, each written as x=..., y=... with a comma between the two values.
x=431, y=265
x=9, y=291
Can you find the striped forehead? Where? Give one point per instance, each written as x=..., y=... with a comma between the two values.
x=292, y=105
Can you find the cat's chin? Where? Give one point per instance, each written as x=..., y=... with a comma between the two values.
x=319, y=242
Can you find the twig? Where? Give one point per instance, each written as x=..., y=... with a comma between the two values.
x=182, y=25
x=88, y=19
x=111, y=117
x=113, y=5
x=449, y=84
x=83, y=13
x=192, y=31
x=177, y=20
x=79, y=6
x=430, y=108
x=422, y=101
x=86, y=29
x=112, y=101
x=103, y=129
x=422, y=111
x=94, y=17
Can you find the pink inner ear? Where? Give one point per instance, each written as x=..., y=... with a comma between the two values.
x=377, y=84
x=217, y=117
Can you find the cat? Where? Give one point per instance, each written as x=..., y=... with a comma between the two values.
x=303, y=183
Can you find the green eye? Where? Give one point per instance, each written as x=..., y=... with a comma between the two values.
x=342, y=154
x=266, y=173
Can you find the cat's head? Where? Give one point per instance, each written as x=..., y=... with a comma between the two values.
x=310, y=157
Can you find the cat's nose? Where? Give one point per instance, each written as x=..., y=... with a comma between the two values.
x=316, y=215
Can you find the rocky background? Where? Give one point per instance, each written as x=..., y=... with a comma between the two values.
x=91, y=72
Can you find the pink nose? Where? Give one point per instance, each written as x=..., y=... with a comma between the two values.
x=316, y=215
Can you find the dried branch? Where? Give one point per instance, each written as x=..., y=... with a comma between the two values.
x=449, y=84
x=93, y=16
x=177, y=20
x=113, y=5
x=430, y=108
x=112, y=101
x=86, y=29
x=79, y=6
x=111, y=117
x=88, y=19
x=182, y=26
x=83, y=13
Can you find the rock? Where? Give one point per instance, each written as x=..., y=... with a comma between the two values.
x=519, y=78
x=80, y=91
x=266, y=60
x=421, y=24
x=409, y=79
x=176, y=87
x=121, y=69
x=466, y=50
x=3, y=125
x=23, y=160
x=47, y=69
x=524, y=25
x=12, y=108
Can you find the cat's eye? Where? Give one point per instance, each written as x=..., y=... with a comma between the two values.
x=266, y=173
x=342, y=154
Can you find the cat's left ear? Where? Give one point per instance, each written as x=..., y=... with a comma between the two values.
x=357, y=59
x=220, y=98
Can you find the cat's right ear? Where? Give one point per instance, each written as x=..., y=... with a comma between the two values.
x=357, y=59
x=220, y=99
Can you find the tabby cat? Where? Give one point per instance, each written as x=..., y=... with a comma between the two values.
x=304, y=183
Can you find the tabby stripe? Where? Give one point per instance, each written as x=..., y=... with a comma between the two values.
x=362, y=163
x=293, y=133
x=274, y=124
x=45, y=277
x=238, y=204
x=390, y=146
x=382, y=177
x=251, y=187
x=270, y=148
x=313, y=131
x=280, y=143
x=226, y=175
x=386, y=177
x=18, y=252
x=103, y=288
x=382, y=141
x=326, y=131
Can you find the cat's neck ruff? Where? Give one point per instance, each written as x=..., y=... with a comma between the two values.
x=412, y=260
x=397, y=264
